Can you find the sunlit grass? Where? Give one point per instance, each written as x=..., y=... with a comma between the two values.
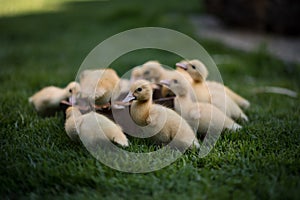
x=21, y=7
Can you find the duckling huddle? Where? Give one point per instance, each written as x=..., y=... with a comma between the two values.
x=197, y=105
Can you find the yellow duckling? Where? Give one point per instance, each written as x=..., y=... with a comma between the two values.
x=93, y=128
x=200, y=116
x=203, y=73
x=46, y=101
x=168, y=126
x=154, y=72
x=205, y=92
x=99, y=85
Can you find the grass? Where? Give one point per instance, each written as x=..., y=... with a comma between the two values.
x=41, y=47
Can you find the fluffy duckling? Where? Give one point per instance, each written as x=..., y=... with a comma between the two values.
x=46, y=101
x=202, y=75
x=92, y=128
x=167, y=125
x=99, y=85
x=200, y=116
x=154, y=72
x=205, y=92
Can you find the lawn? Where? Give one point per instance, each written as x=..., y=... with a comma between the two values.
x=45, y=42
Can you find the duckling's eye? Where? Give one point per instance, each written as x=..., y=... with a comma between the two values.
x=175, y=81
x=139, y=89
x=193, y=66
x=70, y=90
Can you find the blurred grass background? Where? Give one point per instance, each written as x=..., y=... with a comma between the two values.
x=44, y=42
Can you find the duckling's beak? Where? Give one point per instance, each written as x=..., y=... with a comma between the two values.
x=165, y=82
x=129, y=98
x=181, y=65
x=72, y=99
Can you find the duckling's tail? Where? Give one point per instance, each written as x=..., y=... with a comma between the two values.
x=242, y=102
x=30, y=100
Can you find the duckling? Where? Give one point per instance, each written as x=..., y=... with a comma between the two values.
x=240, y=101
x=92, y=128
x=154, y=72
x=46, y=101
x=200, y=116
x=167, y=125
x=98, y=85
x=206, y=93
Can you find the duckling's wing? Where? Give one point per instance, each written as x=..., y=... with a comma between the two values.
x=153, y=117
x=157, y=115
